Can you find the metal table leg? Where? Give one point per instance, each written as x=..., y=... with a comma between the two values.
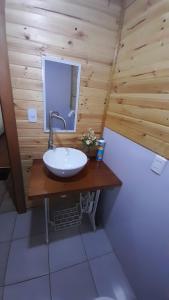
x=93, y=212
x=46, y=206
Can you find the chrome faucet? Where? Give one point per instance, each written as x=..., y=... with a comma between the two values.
x=52, y=115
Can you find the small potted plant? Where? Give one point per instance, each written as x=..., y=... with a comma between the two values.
x=89, y=142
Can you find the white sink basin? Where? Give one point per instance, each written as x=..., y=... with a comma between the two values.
x=64, y=162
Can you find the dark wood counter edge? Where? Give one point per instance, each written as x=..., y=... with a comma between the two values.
x=48, y=195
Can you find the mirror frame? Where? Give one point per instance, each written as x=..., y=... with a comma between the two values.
x=62, y=61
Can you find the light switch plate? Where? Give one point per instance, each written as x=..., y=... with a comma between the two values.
x=158, y=164
x=32, y=115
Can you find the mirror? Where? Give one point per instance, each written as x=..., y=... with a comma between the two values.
x=1, y=123
x=61, y=84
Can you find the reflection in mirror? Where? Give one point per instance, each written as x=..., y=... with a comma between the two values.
x=1, y=122
x=61, y=82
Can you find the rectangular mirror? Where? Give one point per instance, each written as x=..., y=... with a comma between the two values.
x=61, y=85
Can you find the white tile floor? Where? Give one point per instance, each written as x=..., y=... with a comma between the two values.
x=76, y=265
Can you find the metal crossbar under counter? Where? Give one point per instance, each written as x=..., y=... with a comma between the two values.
x=44, y=186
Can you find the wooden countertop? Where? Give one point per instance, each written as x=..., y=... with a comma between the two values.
x=95, y=175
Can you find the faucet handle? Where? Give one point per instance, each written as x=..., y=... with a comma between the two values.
x=53, y=113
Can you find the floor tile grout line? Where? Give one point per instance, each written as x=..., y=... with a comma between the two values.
x=117, y=257
x=46, y=273
x=33, y=235
x=26, y=280
x=10, y=245
x=18, y=282
x=6, y=212
x=49, y=273
x=60, y=270
x=88, y=262
x=50, y=288
x=2, y=292
x=68, y=267
x=4, y=242
x=28, y=236
x=56, y=271
x=86, y=258
x=101, y=255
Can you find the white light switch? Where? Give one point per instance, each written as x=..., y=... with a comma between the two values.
x=158, y=164
x=32, y=115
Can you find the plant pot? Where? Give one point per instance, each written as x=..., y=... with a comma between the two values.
x=89, y=151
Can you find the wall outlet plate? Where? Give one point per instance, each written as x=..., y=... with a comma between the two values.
x=158, y=164
x=32, y=115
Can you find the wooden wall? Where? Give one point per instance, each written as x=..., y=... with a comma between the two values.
x=85, y=31
x=139, y=105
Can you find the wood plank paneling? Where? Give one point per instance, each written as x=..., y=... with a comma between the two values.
x=82, y=31
x=139, y=102
x=102, y=13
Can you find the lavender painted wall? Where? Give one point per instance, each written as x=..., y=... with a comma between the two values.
x=136, y=217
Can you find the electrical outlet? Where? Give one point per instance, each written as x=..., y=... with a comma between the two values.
x=32, y=115
x=158, y=164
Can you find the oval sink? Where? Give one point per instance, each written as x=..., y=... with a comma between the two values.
x=64, y=162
